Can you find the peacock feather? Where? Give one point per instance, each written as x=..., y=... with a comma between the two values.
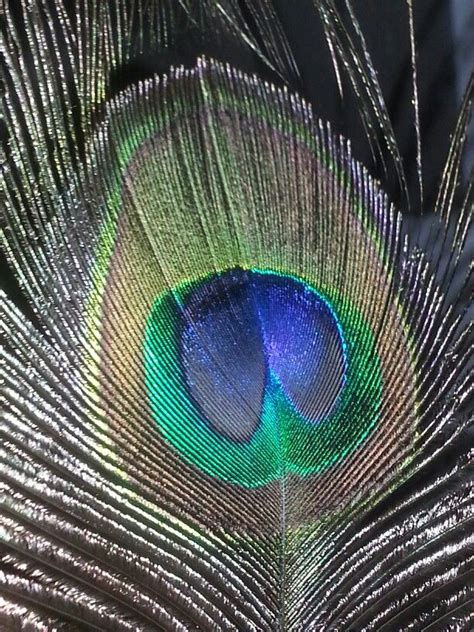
x=236, y=376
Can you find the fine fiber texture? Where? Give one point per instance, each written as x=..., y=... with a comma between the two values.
x=236, y=377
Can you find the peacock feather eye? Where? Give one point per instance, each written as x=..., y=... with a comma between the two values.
x=236, y=380
x=220, y=358
x=256, y=356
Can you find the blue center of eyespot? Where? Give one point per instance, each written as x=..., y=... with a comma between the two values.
x=252, y=375
x=245, y=334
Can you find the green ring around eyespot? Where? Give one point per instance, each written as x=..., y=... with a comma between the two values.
x=290, y=446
